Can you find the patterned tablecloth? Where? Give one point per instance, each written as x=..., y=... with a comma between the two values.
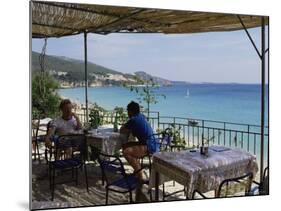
x=109, y=142
x=198, y=172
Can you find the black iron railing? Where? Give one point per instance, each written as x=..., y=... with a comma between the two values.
x=193, y=131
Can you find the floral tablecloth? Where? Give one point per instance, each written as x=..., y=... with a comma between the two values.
x=108, y=141
x=203, y=173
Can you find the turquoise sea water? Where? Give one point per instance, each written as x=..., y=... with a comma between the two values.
x=224, y=102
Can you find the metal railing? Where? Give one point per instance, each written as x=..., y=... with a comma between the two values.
x=193, y=131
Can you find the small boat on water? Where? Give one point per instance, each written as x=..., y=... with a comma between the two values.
x=187, y=93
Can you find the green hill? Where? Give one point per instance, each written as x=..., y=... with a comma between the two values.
x=64, y=64
x=70, y=72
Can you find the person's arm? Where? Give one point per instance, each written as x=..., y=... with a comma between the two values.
x=79, y=124
x=127, y=127
x=125, y=130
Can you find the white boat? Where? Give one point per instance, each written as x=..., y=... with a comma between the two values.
x=187, y=93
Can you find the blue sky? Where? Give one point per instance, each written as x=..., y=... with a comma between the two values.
x=202, y=57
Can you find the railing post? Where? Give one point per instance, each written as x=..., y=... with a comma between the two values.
x=158, y=119
x=203, y=127
x=248, y=144
x=224, y=133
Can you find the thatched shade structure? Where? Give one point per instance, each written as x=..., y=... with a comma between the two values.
x=54, y=19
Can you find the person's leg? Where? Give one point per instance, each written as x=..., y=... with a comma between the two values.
x=129, y=144
x=132, y=153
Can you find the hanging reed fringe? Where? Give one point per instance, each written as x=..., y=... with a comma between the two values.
x=54, y=19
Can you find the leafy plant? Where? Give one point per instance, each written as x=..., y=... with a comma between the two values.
x=96, y=116
x=146, y=93
x=45, y=99
x=176, y=133
x=120, y=117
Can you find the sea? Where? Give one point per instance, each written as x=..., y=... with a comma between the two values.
x=239, y=103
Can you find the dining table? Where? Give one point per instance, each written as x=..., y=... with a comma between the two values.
x=200, y=172
x=108, y=141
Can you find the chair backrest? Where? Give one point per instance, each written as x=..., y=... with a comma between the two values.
x=108, y=163
x=75, y=142
x=35, y=128
x=245, y=180
x=49, y=125
x=164, y=139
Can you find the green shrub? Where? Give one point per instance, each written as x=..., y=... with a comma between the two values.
x=45, y=99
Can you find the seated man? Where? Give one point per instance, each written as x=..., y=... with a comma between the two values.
x=65, y=124
x=140, y=128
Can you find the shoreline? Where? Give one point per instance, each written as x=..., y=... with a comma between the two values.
x=175, y=83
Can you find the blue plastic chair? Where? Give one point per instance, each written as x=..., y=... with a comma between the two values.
x=126, y=183
x=37, y=139
x=76, y=146
x=262, y=188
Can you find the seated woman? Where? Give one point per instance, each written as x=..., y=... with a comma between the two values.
x=67, y=123
x=140, y=128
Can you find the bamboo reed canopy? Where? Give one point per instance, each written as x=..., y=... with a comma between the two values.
x=56, y=19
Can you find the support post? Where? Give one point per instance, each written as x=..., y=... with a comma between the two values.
x=86, y=75
x=262, y=93
x=268, y=93
x=249, y=36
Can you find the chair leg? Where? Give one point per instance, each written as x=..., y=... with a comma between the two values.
x=72, y=173
x=53, y=185
x=102, y=178
x=150, y=194
x=37, y=148
x=186, y=195
x=46, y=156
x=86, y=177
x=131, y=196
x=149, y=160
x=106, y=196
x=76, y=175
x=51, y=153
x=163, y=188
x=50, y=176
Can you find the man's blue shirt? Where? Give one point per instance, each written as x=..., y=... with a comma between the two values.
x=140, y=128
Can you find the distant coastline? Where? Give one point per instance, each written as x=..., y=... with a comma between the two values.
x=63, y=85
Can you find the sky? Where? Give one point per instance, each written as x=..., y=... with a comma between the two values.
x=218, y=57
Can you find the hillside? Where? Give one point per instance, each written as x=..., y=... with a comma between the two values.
x=145, y=76
x=64, y=64
x=70, y=73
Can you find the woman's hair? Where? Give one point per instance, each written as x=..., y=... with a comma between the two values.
x=63, y=103
x=133, y=107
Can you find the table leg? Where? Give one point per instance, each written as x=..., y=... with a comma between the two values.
x=156, y=186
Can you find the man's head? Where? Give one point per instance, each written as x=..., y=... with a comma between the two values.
x=133, y=109
x=66, y=107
